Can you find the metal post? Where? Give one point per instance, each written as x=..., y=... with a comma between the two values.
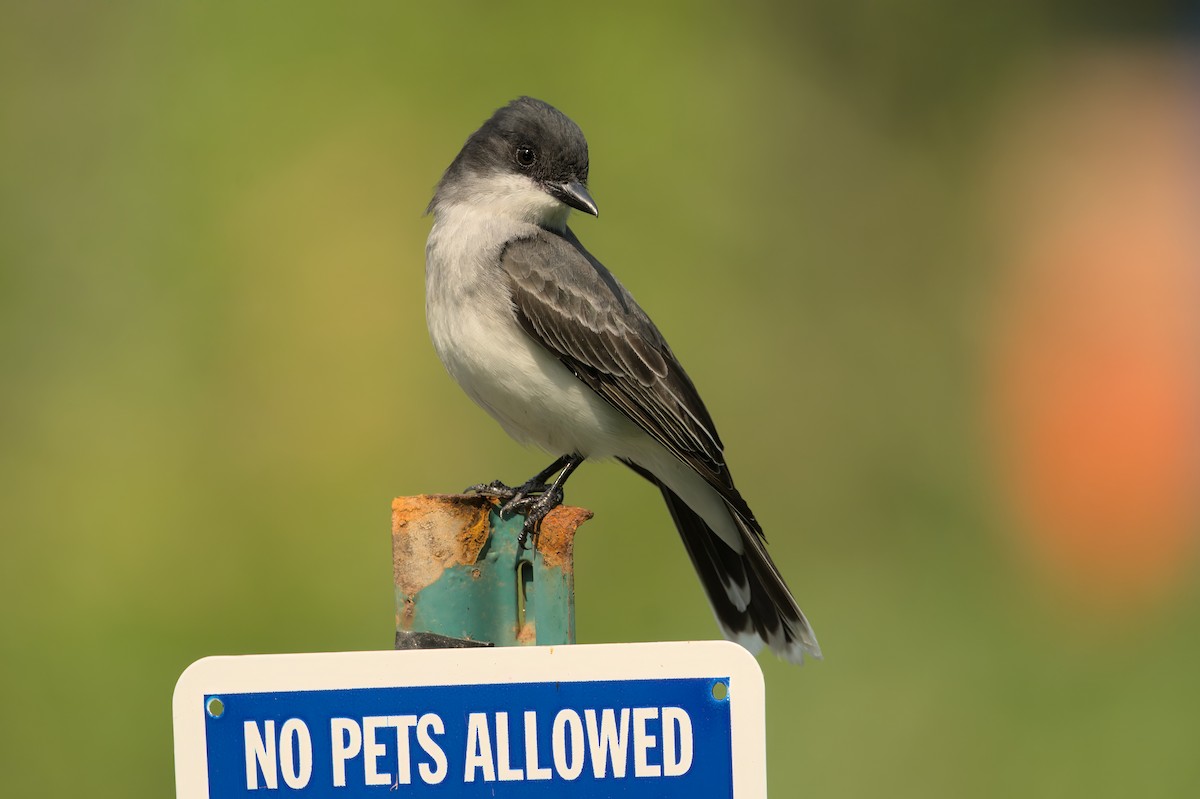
x=461, y=580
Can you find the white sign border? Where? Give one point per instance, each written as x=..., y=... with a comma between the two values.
x=239, y=674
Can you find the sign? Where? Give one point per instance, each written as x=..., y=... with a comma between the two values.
x=630, y=720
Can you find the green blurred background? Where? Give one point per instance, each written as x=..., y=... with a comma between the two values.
x=214, y=370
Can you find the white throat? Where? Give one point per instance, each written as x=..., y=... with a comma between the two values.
x=509, y=196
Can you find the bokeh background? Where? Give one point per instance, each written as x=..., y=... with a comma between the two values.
x=934, y=268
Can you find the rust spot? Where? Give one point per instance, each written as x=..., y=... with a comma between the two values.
x=404, y=619
x=556, y=541
x=476, y=574
x=527, y=635
x=431, y=533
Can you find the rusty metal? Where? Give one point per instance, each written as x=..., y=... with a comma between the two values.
x=459, y=574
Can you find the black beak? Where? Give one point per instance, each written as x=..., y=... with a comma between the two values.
x=575, y=194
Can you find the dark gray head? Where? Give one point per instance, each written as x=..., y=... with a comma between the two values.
x=529, y=161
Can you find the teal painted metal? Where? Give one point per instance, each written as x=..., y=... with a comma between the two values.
x=459, y=572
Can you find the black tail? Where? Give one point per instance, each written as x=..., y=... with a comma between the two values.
x=752, y=604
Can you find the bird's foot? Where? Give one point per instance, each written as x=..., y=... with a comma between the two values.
x=533, y=499
x=534, y=509
x=493, y=489
x=512, y=497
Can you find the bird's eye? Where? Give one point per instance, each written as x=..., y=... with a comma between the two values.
x=526, y=155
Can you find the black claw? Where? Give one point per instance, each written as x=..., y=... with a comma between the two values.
x=527, y=533
x=535, y=510
x=492, y=489
x=512, y=505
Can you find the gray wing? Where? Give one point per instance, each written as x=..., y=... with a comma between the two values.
x=569, y=303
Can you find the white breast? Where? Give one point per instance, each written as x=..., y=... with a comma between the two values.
x=471, y=321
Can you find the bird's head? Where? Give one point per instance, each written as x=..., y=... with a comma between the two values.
x=528, y=162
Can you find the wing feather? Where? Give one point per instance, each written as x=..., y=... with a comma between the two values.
x=569, y=303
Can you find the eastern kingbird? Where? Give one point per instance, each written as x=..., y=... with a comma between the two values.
x=547, y=341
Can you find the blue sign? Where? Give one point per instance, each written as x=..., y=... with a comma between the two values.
x=550, y=722
x=642, y=738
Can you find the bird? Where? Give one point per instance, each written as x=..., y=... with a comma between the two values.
x=544, y=338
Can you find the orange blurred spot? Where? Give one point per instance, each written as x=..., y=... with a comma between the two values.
x=1097, y=368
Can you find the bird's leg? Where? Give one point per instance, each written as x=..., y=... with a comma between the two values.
x=510, y=494
x=536, y=509
x=534, y=498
